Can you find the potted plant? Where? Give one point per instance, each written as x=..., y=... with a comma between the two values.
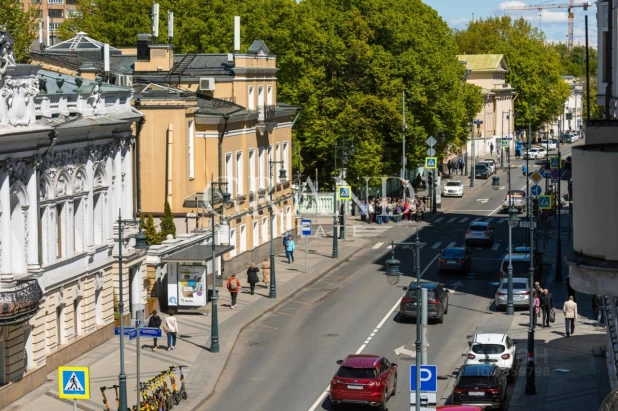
x=116, y=311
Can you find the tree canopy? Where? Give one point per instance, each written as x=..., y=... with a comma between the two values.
x=534, y=67
x=22, y=26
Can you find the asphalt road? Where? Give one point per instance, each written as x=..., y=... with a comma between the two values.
x=285, y=360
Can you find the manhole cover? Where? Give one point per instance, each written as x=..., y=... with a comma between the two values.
x=331, y=335
x=252, y=344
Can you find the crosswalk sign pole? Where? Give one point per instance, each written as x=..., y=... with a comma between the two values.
x=74, y=404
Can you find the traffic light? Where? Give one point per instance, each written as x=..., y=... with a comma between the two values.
x=430, y=179
x=535, y=206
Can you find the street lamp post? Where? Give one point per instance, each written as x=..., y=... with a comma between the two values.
x=226, y=198
x=558, y=207
x=530, y=377
x=473, y=168
x=344, y=160
x=282, y=176
x=392, y=271
x=513, y=221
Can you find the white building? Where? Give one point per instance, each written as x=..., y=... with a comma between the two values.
x=571, y=118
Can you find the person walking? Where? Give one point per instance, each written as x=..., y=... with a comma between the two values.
x=491, y=149
x=252, y=277
x=363, y=211
x=570, y=315
x=171, y=329
x=547, y=304
x=370, y=212
x=286, y=239
x=290, y=249
x=460, y=164
x=154, y=322
x=536, y=304
x=266, y=272
x=524, y=170
x=233, y=286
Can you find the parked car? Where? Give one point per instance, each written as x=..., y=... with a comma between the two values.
x=496, y=349
x=535, y=152
x=482, y=385
x=569, y=138
x=453, y=188
x=481, y=171
x=455, y=259
x=492, y=163
x=515, y=198
x=364, y=379
x=479, y=232
x=437, y=301
x=550, y=145
x=489, y=166
x=521, y=266
x=521, y=293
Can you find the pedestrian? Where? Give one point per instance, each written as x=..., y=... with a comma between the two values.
x=154, y=322
x=537, y=286
x=252, y=277
x=449, y=166
x=266, y=272
x=363, y=211
x=171, y=329
x=371, y=211
x=233, y=286
x=547, y=305
x=460, y=165
x=524, y=170
x=378, y=208
x=290, y=249
x=491, y=149
x=536, y=304
x=570, y=316
x=285, y=245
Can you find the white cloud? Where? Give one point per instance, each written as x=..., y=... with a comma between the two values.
x=458, y=22
x=506, y=4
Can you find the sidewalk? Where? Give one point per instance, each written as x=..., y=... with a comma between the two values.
x=193, y=346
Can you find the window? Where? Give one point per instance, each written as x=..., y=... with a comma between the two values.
x=243, y=238
x=240, y=175
x=191, y=150
x=252, y=175
x=286, y=162
x=77, y=317
x=256, y=234
x=282, y=221
x=59, y=325
x=269, y=158
x=250, y=99
x=54, y=1
x=233, y=243
x=53, y=27
x=98, y=307
x=264, y=229
x=229, y=173
x=98, y=219
x=71, y=13
x=269, y=95
x=360, y=373
x=59, y=231
x=288, y=218
x=55, y=13
x=261, y=174
x=261, y=101
x=488, y=348
x=274, y=223
x=277, y=165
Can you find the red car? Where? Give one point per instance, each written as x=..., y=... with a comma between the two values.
x=364, y=379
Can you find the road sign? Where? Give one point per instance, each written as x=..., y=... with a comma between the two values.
x=74, y=383
x=429, y=378
x=305, y=227
x=150, y=332
x=555, y=174
x=569, y=116
x=431, y=162
x=428, y=400
x=536, y=190
x=431, y=152
x=431, y=141
x=536, y=177
x=544, y=202
x=129, y=331
x=527, y=224
x=344, y=193
x=505, y=143
x=554, y=162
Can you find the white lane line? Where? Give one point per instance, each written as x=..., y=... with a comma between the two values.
x=452, y=219
x=502, y=220
x=378, y=245
x=476, y=219
x=436, y=245
x=439, y=219
x=463, y=220
x=320, y=399
x=495, y=247
x=450, y=245
x=422, y=245
x=489, y=220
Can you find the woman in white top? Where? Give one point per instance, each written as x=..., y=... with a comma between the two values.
x=171, y=328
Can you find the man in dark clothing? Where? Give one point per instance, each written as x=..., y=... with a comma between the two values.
x=547, y=304
x=154, y=322
x=491, y=149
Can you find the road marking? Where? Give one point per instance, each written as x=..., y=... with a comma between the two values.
x=320, y=399
x=439, y=219
x=476, y=219
x=502, y=220
x=463, y=220
x=470, y=211
x=422, y=245
x=436, y=245
x=495, y=211
x=495, y=247
x=450, y=245
x=378, y=245
x=489, y=220
x=452, y=219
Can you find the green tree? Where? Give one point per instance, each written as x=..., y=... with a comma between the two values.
x=573, y=62
x=167, y=222
x=150, y=231
x=22, y=26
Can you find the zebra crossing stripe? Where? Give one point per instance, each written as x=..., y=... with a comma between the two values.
x=422, y=245
x=378, y=245
x=489, y=220
x=450, y=245
x=476, y=219
x=452, y=219
x=502, y=220
x=495, y=247
x=439, y=219
x=463, y=220
x=436, y=245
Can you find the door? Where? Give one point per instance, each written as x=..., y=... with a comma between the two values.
x=135, y=293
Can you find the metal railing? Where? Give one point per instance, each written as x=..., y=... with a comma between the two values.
x=21, y=303
x=267, y=113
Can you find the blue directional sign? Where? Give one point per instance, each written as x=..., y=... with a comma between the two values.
x=546, y=173
x=150, y=332
x=344, y=193
x=544, y=202
x=305, y=227
x=429, y=378
x=554, y=162
x=130, y=331
x=536, y=190
x=74, y=383
x=431, y=162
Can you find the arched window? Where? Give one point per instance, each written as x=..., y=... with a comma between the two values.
x=79, y=211
x=98, y=211
x=19, y=214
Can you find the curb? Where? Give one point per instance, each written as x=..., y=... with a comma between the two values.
x=270, y=309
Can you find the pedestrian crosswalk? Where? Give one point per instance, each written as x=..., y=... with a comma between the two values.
x=504, y=247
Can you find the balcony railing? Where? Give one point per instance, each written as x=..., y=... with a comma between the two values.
x=266, y=114
x=21, y=303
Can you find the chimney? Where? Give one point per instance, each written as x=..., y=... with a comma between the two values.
x=144, y=41
x=236, y=33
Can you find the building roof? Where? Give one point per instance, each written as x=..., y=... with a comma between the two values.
x=484, y=62
x=69, y=85
x=81, y=45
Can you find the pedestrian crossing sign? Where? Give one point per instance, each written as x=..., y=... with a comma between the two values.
x=344, y=193
x=544, y=202
x=74, y=383
x=505, y=143
x=554, y=162
x=431, y=162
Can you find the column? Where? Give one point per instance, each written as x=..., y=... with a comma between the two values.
x=6, y=268
x=89, y=209
x=33, y=221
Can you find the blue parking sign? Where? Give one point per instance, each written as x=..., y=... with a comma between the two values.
x=429, y=378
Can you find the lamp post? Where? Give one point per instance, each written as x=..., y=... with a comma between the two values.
x=558, y=207
x=473, y=168
x=140, y=242
x=282, y=177
x=226, y=198
x=344, y=159
x=530, y=377
x=392, y=272
x=513, y=221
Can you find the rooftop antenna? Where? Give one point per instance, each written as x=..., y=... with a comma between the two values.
x=40, y=33
x=47, y=32
x=170, y=26
x=236, y=33
x=106, y=60
x=155, y=20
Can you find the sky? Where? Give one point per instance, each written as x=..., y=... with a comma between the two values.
x=553, y=22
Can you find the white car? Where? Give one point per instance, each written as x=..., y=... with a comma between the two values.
x=549, y=145
x=492, y=163
x=496, y=349
x=535, y=152
x=453, y=188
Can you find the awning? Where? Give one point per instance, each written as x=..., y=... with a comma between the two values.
x=197, y=254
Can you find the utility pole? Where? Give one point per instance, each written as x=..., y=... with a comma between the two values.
x=530, y=377
x=403, y=135
x=473, y=168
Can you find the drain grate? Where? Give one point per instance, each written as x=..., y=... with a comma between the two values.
x=252, y=344
x=331, y=335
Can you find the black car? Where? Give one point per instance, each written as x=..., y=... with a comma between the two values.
x=454, y=259
x=482, y=385
x=481, y=171
x=437, y=301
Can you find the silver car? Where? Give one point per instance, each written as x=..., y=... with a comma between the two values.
x=521, y=293
x=480, y=232
x=492, y=163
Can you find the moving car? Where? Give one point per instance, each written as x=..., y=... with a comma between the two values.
x=437, y=301
x=483, y=385
x=521, y=265
x=454, y=259
x=515, y=198
x=496, y=349
x=521, y=293
x=569, y=138
x=534, y=153
x=481, y=171
x=549, y=145
x=490, y=166
x=492, y=163
x=364, y=379
x=453, y=188
x=480, y=232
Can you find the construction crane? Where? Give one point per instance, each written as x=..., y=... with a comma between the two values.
x=570, y=8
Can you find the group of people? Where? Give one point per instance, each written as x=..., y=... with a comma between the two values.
x=544, y=304
x=383, y=210
x=455, y=166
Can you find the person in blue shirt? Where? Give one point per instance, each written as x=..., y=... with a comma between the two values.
x=289, y=249
x=524, y=170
